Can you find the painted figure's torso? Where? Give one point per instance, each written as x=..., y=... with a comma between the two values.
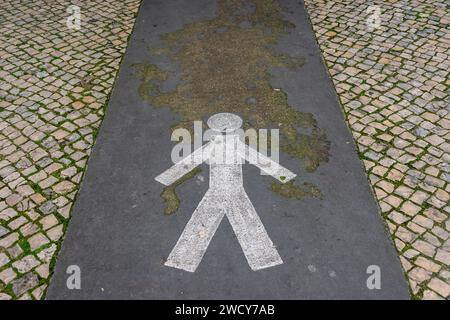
x=225, y=164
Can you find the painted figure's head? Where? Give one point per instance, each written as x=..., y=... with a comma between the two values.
x=224, y=122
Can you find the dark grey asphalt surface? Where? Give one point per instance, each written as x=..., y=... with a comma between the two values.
x=120, y=237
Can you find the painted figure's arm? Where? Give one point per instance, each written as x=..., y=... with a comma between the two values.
x=186, y=165
x=264, y=163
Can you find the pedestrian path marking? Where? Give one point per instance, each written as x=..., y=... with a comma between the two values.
x=226, y=196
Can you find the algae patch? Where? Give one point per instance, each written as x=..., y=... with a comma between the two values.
x=225, y=66
x=169, y=194
x=289, y=190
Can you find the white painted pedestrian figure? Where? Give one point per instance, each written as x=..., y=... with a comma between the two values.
x=225, y=197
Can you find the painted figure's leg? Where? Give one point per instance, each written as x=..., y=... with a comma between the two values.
x=253, y=238
x=193, y=242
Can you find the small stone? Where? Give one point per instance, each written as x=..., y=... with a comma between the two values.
x=396, y=175
x=351, y=71
x=406, y=264
x=424, y=247
x=26, y=264
x=43, y=270
x=440, y=287
x=29, y=229
x=411, y=253
x=435, y=140
x=404, y=191
x=7, y=214
x=7, y=275
x=386, y=186
x=420, y=275
x=37, y=198
x=410, y=208
x=52, y=168
x=380, y=171
x=406, y=158
x=47, y=182
x=24, y=190
x=3, y=259
x=26, y=296
x=33, y=215
x=419, y=197
x=442, y=195
x=312, y=268
x=443, y=256
x=69, y=172
x=38, y=154
x=441, y=233
x=398, y=218
x=431, y=295
x=3, y=231
x=9, y=240
x=444, y=274
x=55, y=233
x=420, y=132
x=49, y=193
x=37, y=293
x=435, y=202
x=435, y=215
x=435, y=182
x=65, y=211
x=49, y=221
x=88, y=99
x=423, y=221
x=47, y=254
x=63, y=187
x=47, y=208
x=17, y=223
x=405, y=235
x=60, y=134
x=78, y=105
x=37, y=241
x=15, y=251
x=427, y=264
x=393, y=201
x=22, y=285
x=4, y=296
x=13, y=199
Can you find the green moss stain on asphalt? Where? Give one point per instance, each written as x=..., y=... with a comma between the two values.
x=225, y=66
x=169, y=194
x=290, y=190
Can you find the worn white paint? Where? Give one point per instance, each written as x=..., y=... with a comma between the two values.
x=186, y=165
x=225, y=197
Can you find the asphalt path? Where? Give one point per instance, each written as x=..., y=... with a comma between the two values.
x=323, y=245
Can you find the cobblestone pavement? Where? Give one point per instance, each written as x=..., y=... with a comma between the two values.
x=392, y=81
x=54, y=85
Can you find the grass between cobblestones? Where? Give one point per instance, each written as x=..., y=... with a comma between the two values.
x=392, y=82
x=55, y=85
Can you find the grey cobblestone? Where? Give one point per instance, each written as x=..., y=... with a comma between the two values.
x=54, y=83
x=392, y=81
